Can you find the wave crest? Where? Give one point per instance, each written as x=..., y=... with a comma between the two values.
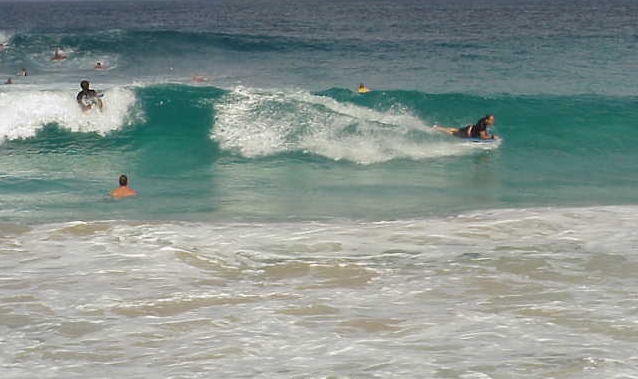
x=257, y=123
x=24, y=112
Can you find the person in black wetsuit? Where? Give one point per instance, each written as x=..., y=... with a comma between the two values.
x=88, y=97
x=478, y=130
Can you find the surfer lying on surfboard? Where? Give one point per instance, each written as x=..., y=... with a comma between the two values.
x=478, y=130
x=362, y=88
x=87, y=98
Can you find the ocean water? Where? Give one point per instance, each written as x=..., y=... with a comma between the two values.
x=288, y=227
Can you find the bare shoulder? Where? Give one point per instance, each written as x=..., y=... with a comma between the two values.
x=123, y=192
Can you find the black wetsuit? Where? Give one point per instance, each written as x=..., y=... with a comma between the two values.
x=473, y=131
x=86, y=95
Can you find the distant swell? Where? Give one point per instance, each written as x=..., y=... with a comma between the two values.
x=162, y=41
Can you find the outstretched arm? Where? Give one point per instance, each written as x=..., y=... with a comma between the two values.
x=483, y=135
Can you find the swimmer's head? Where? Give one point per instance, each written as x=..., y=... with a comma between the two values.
x=123, y=180
x=84, y=84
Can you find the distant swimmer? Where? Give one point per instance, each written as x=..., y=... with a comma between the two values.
x=99, y=66
x=198, y=78
x=87, y=98
x=123, y=190
x=58, y=55
x=9, y=81
x=362, y=88
x=478, y=130
x=22, y=72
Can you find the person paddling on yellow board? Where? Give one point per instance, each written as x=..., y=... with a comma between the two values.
x=362, y=88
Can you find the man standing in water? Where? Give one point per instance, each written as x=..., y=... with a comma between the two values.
x=88, y=97
x=123, y=190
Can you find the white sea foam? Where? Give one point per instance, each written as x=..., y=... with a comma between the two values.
x=260, y=123
x=23, y=112
x=544, y=291
x=5, y=37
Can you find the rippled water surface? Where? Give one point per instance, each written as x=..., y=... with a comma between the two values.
x=512, y=293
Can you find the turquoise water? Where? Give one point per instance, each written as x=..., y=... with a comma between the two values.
x=206, y=153
x=288, y=227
